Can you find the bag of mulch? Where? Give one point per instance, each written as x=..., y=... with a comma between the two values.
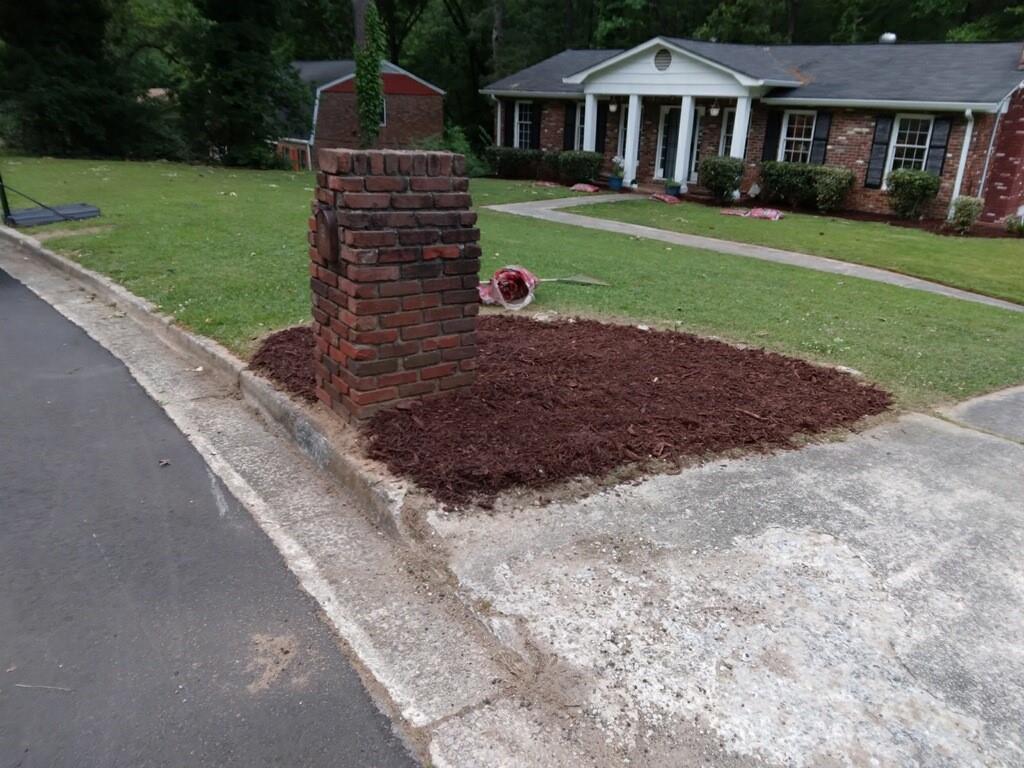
x=511, y=287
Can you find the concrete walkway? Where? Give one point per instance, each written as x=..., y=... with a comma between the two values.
x=550, y=210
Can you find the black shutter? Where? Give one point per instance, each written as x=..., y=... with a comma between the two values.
x=535, y=126
x=508, y=121
x=772, y=132
x=602, y=125
x=936, y=158
x=879, y=149
x=819, y=144
x=569, y=131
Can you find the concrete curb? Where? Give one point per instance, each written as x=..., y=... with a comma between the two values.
x=329, y=443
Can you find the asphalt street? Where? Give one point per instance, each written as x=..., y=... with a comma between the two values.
x=145, y=619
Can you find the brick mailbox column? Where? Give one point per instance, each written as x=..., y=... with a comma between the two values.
x=394, y=263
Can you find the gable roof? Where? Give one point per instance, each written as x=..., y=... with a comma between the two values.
x=953, y=73
x=332, y=71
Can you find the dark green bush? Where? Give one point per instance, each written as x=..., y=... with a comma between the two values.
x=721, y=175
x=549, y=168
x=511, y=163
x=454, y=140
x=910, y=191
x=831, y=185
x=966, y=211
x=579, y=166
x=1015, y=225
x=800, y=185
x=789, y=183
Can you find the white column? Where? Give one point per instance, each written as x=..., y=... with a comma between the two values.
x=738, y=147
x=589, y=122
x=498, y=122
x=683, y=148
x=632, y=138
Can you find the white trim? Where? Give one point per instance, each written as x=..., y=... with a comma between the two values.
x=498, y=123
x=693, y=160
x=661, y=42
x=688, y=120
x=383, y=71
x=938, y=106
x=579, y=138
x=514, y=94
x=722, y=148
x=620, y=148
x=891, y=152
x=781, y=151
x=587, y=113
x=633, y=127
x=515, y=123
x=964, y=150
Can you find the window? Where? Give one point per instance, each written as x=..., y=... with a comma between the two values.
x=909, y=143
x=524, y=124
x=797, y=137
x=383, y=111
x=728, y=124
x=581, y=111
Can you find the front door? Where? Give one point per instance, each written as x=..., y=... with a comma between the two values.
x=668, y=142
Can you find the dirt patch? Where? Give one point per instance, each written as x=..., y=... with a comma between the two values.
x=286, y=357
x=555, y=401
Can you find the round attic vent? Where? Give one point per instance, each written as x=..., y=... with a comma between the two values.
x=662, y=59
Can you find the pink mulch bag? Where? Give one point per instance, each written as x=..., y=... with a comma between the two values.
x=665, y=198
x=768, y=214
x=584, y=188
x=511, y=287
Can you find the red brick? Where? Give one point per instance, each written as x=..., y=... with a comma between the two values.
x=450, y=200
x=439, y=164
x=419, y=388
x=421, y=301
x=397, y=255
x=372, y=238
x=460, y=236
x=353, y=219
x=430, y=184
x=467, y=219
x=373, y=306
x=374, y=396
x=385, y=184
x=437, y=218
x=412, y=201
x=403, y=288
x=460, y=185
x=372, y=368
x=422, y=360
x=397, y=219
x=420, y=331
x=460, y=297
x=358, y=255
x=422, y=269
x=444, y=313
x=458, y=380
x=442, y=284
x=356, y=352
x=460, y=353
x=366, y=199
x=345, y=183
x=402, y=377
x=437, y=371
x=400, y=349
x=362, y=274
x=418, y=236
x=462, y=267
x=441, y=252
x=440, y=342
x=400, y=319
x=375, y=337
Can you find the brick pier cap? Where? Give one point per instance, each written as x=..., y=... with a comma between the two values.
x=394, y=263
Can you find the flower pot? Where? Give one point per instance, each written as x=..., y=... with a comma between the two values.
x=615, y=183
x=673, y=189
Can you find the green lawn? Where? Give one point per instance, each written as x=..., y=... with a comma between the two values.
x=224, y=252
x=991, y=266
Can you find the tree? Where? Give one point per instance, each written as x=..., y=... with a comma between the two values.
x=369, y=87
x=241, y=89
x=399, y=17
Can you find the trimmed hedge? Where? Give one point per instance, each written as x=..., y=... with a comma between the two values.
x=801, y=185
x=910, y=191
x=721, y=175
x=568, y=167
x=966, y=211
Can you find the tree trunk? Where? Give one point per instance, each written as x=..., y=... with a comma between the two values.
x=359, y=16
x=497, y=32
x=792, y=8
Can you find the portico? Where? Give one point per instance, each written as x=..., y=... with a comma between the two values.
x=659, y=68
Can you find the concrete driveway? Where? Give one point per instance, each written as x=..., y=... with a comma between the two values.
x=858, y=603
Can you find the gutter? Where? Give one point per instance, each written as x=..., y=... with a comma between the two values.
x=532, y=94
x=964, y=151
x=938, y=106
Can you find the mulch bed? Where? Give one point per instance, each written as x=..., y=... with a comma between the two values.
x=286, y=357
x=555, y=401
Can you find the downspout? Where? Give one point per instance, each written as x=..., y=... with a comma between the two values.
x=964, y=151
x=312, y=132
x=992, y=138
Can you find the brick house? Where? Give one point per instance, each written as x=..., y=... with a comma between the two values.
x=413, y=110
x=952, y=109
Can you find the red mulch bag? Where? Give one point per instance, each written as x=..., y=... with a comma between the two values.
x=511, y=287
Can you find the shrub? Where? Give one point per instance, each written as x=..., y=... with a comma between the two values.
x=579, y=166
x=966, y=211
x=1015, y=225
x=511, y=163
x=721, y=175
x=454, y=140
x=790, y=183
x=549, y=169
x=910, y=191
x=831, y=185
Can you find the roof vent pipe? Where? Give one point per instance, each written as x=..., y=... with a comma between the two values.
x=888, y=38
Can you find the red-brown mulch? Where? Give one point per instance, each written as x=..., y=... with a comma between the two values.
x=286, y=357
x=554, y=401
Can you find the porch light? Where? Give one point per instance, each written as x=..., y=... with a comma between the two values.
x=714, y=109
x=613, y=106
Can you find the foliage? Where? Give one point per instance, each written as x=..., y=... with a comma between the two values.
x=802, y=185
x=578, y=166
x=831, y=186
x=744, y=21
x=618, y=167
x=369, y=86
x=910, y=191
x=966, y=211
x=512, y=163
x=721, y=175
x=1015, y=225
x=454, y=140
x=241, y=89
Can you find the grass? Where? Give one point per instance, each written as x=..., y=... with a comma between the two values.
x=994, y=267
x=224, y=252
